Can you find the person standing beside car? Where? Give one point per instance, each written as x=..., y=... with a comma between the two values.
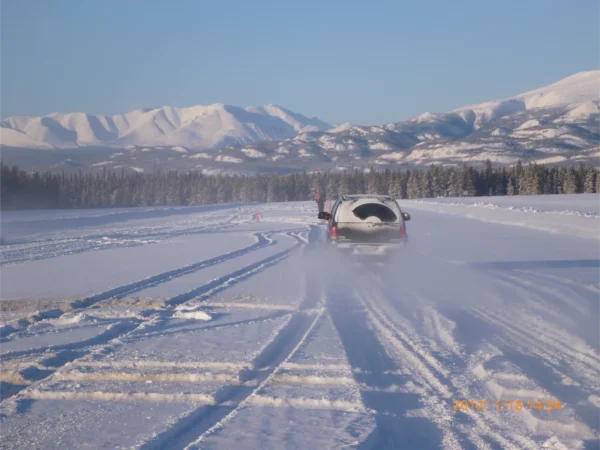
x=320, y=202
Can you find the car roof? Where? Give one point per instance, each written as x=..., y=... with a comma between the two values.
x=366, y=196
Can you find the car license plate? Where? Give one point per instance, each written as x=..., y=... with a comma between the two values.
x=368, y=249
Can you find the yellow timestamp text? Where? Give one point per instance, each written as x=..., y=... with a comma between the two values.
x=507, y=405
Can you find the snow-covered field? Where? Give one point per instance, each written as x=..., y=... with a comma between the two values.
x=203, y=328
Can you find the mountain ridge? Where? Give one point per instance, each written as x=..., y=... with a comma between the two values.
x=554, y=124
x=199, y=127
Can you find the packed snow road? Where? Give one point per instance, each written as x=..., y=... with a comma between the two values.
x=205, y=328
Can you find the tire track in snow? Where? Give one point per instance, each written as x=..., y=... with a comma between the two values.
x=120, y=332
x=69, y=353
x=468, y=384
x=414, y=369
x=422, y=414
x=557, y=374
x=372, y=366
x=153, y=397
x=26, y=251
x=145, y=364
x=253, y=396
x=490, y=425
x=548, y=297
x=217, y=326
x=90, y=243
x=262, y=240
x=161, y=377
x=203, y=292
x=114, y=330
x=574, y=285
x=562, y=344
x=306, y=403
x=273, y=357
x=61, y=362
x=526, y=336
x=231, y=279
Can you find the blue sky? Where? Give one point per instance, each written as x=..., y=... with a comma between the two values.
x=368, y=62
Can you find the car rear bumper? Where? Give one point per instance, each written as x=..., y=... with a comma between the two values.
x=369, y=248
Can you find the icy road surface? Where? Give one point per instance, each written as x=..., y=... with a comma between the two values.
x=203, y=328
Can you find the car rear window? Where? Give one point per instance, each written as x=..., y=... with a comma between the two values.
x=382, y=212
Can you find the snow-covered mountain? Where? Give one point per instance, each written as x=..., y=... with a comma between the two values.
x=555, y=124
x=196, y=127
x=558, y=124
x=581, y=89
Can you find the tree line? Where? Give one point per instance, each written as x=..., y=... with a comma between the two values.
x=35, y=190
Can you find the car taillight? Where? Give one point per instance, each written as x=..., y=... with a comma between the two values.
x=333, y=233
x=403, y=232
